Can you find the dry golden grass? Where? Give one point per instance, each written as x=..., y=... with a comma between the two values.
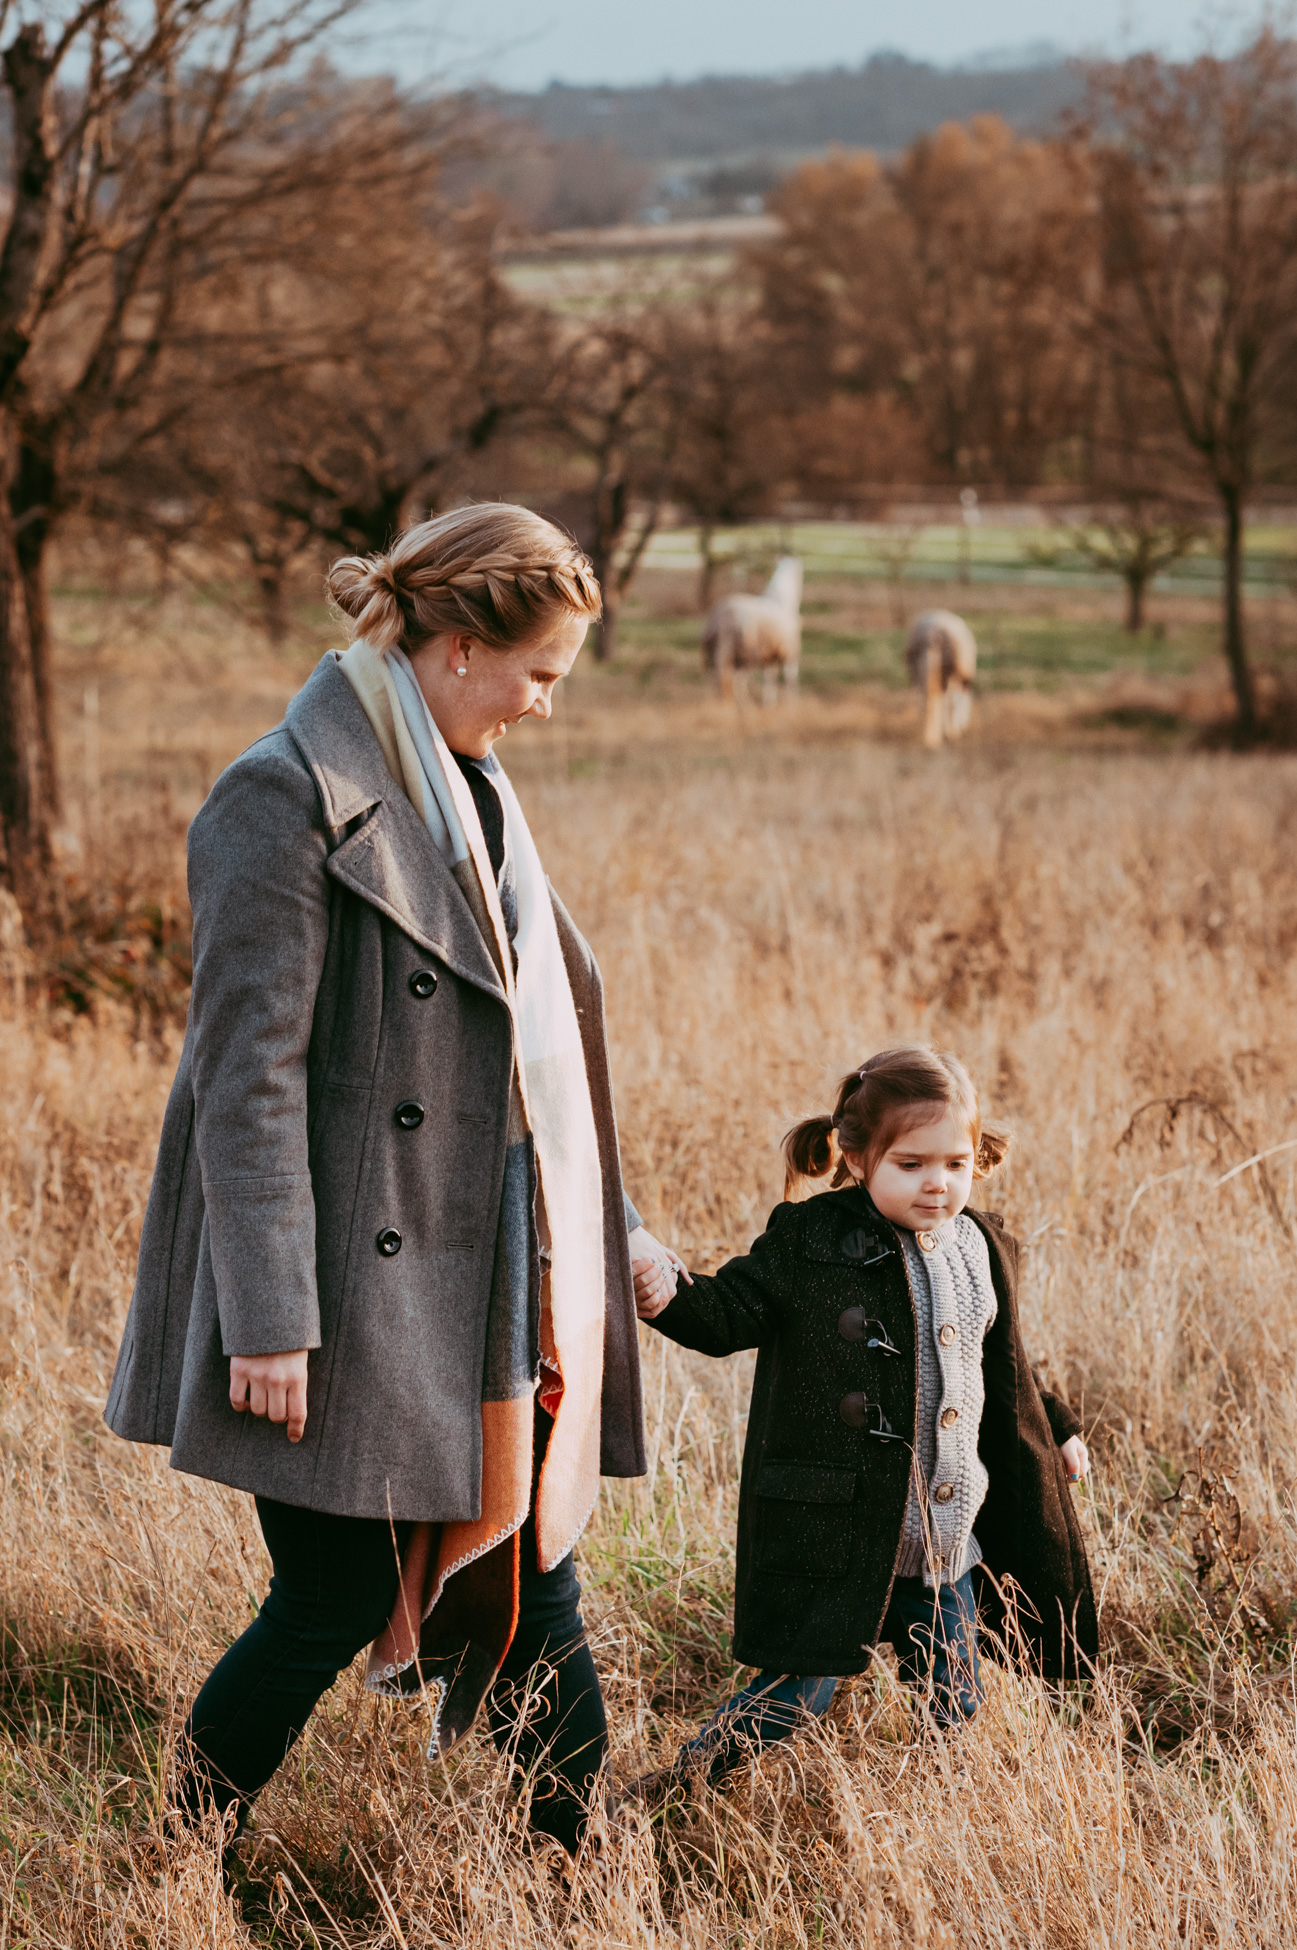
x=770, y=900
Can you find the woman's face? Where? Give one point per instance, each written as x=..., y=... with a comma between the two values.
x=926, y=1176
x=498, y=687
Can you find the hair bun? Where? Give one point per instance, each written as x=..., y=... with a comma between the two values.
x=365, y=587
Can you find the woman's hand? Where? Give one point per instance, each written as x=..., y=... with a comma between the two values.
x=1076, y=1458
x=655, y=1287
x=656, y=1268
x=273, y=1385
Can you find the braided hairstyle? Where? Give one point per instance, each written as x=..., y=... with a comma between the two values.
x=499, y=572
x=891, y=1093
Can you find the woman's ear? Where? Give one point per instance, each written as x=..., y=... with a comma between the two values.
x=459, y=647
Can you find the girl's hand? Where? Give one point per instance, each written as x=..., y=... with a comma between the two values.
x=655, y=1286
x=1076, y=1458
x=273, y=1385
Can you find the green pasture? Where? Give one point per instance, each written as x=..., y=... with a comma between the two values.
x=1015, y=652
x=1016, y=553
x=1022, y=645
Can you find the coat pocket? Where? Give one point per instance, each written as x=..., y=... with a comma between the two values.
x=804, y=1527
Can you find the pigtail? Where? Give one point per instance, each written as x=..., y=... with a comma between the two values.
x=808, y=1150
x=992, y=1150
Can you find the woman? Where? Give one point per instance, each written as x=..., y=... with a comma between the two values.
x=384, y=1279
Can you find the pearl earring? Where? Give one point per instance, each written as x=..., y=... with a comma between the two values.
x=462, y=671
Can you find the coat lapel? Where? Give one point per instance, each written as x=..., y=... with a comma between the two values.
x=390, y=860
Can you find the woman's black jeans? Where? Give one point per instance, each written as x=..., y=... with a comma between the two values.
x=334, y=1585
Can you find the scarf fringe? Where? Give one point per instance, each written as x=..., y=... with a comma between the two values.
x=375, y=1681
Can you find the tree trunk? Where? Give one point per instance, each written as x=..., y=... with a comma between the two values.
x=1235, y=640
x=707, y=574
x=603, y=634
x=1136, y=584
x=26, y=803
x=609, y=523
x=31, y=498
x=274, y=609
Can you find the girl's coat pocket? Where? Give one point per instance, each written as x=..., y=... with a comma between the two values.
x=804, y=1525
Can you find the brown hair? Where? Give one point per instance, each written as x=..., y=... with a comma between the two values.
x=499, y=572
x=891, y=1093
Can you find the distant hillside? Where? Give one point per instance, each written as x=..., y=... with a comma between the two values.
x=882, y=105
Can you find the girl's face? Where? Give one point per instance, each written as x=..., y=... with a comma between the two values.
x=498, y=687
x=926, y=1176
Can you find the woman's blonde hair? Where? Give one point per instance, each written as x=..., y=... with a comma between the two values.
x=497, y=571
x=891, y=1093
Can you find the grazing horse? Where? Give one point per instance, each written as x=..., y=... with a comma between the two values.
x=941, y=656
x=758, y=632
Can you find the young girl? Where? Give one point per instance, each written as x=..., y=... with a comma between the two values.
x=904, y=1479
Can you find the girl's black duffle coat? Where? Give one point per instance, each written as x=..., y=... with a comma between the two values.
x=823, y=1494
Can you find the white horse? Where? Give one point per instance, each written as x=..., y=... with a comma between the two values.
x=758, y=632
x=941, y=655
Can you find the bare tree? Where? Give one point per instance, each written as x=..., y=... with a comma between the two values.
x=320, y=376
x=895, y=546
x=607, y=397
x=122, y=126
x=429, y=358
x=727, y=453
x=1198, y=186
x=1137, y=536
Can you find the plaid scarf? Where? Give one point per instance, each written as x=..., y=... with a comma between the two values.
x=458, y=1604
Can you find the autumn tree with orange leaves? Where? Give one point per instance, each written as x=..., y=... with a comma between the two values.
x=954, y=280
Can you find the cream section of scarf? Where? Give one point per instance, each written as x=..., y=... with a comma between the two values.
x=550, y=1073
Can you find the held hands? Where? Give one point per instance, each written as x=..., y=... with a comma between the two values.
x=656, y=1269
x=1076, y=1458
x=273, y=1385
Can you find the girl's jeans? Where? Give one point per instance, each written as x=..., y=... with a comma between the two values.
x=934, y=1636
x=335, y=1582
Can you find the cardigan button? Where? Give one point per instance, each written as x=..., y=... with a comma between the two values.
x=854, y=1410
x=389, y=1242
x=947, y=1335
x=851, y=1324
x=928, y=1241
x=423, y=983
x=943, y=1492
x=949, y=1417
x=409, y=1115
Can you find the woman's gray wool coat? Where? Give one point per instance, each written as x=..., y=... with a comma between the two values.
x=824, y=1296
x=341, y=988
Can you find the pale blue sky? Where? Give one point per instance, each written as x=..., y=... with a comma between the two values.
x=526, y=43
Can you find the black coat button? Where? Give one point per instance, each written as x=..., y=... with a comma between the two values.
x=854, y=1410
x=389, y=1242
x=864, y=1247
x=423, y=983
x=409, y=1115
x=851, y=1324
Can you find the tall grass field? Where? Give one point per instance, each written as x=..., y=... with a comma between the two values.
x=1105, y=927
